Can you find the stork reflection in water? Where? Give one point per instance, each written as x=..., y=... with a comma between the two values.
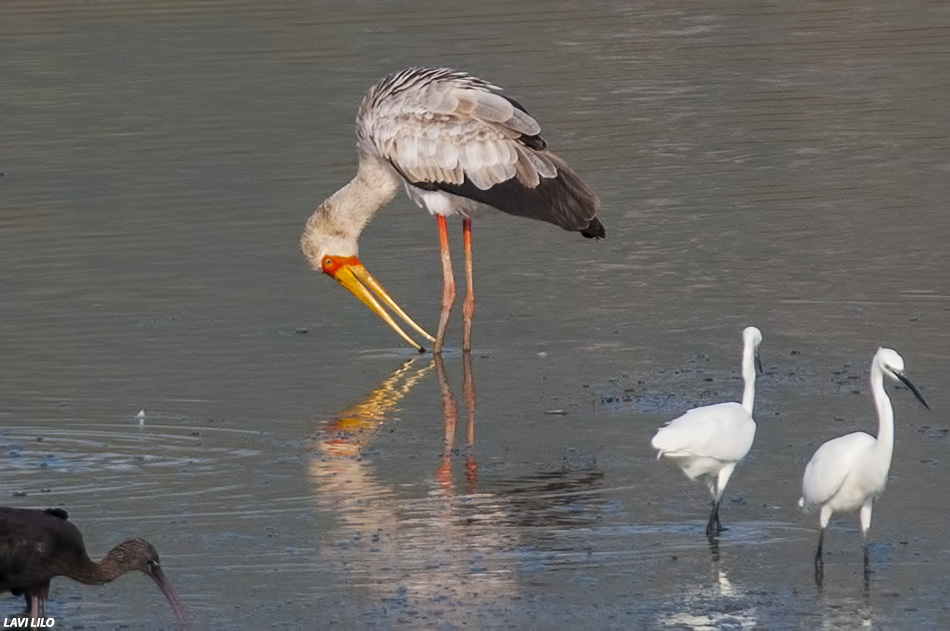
x=342, y=440
x=408, y=527
x=459, y=147
x=412, y=521
x=450, y=413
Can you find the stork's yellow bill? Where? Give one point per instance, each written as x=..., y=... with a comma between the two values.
x=349, y=272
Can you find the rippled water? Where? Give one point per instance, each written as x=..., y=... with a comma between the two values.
x=296, y=467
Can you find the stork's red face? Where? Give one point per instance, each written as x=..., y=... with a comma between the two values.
x=349, y=272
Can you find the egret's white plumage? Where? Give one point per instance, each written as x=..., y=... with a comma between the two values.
x=459, y=147
x=848, y=472
x=709, y=441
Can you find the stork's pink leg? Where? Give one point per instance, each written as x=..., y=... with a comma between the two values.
x=450, y=413
x=468, y=391
x=468, y=305
x=448, y=283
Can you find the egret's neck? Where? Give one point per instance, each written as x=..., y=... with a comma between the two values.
x=748, y=376
x=885, y=415
x=336, y=224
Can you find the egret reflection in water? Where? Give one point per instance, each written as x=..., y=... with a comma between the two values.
x=713, y=602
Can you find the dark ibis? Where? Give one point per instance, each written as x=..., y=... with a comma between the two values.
x=38, y=545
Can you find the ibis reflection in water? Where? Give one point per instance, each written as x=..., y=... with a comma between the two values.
x=459, y=147
x=39, y=545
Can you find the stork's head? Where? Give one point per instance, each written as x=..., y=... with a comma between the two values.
x=334, y=253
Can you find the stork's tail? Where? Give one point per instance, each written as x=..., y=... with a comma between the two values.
x=594, y=230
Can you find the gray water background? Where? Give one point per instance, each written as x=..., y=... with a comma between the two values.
x=783, y=166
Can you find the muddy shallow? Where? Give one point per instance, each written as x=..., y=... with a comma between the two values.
x=295, y=466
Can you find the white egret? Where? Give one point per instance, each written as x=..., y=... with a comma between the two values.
x=709, y=441
x=848, y=472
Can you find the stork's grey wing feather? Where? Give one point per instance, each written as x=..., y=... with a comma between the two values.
x=444, y=130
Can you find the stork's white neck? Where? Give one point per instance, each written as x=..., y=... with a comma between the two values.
x=336, y=224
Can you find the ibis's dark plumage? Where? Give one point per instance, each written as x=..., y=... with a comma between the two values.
x=38, y=545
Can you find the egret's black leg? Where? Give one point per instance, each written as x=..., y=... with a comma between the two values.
x=713, y=527
x=714, y=549
x=867, y=567
x=819, y=562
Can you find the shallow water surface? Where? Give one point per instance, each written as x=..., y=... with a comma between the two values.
x=297, y=467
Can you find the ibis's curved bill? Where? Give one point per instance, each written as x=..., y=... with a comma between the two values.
x=349, y=272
